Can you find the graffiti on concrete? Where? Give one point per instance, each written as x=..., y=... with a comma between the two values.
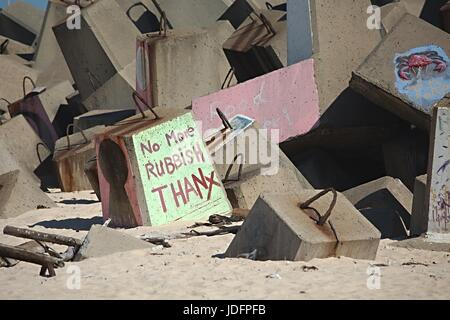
x=423, y=76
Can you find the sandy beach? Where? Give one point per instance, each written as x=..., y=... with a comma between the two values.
x=190, y=270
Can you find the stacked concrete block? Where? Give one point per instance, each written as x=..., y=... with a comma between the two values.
x=21, y=21
x=408, y=72
x=11, y=47
x=273, y=100
x=386, y=203
x=12, y=76
x=48, y=57
x=100, y=55
x=335, y=34
x=176, y=67
x=14, y=186
x=259, y=45
x=101, y=117
x=19, y=140
x=154, y=170
x=192, y=13
x=278, y=229
x=40, y=107
x=71, y=155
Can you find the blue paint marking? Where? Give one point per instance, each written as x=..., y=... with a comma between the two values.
x=425, y=86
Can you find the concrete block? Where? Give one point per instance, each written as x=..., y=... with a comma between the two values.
x=166, y=79
x=279, y=230
x=257, y=155
x=438, y=182
x=391, y=14
x=192, y=13
x=71, y=155
x=103, y=241
x=21, y=21
x=18, y=139
x=386, y=203
x=12, y=76
x=408, y=72
x=152, y=172
x=101, y=117
x=240, y=10
x=261, y=99
x=99, y=55
x=13, y=187
x=334, y=34
x=40, y=107
x=12, y=47
x=259, y=45
x=48, y=58
x=419, y=215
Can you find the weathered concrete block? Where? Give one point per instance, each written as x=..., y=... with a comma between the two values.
x=256, y=154
x=419, y=215
x=71, y=155
x=408, y=72
x=261, y=98
x=12, y=76
x=165, y=79
x=14, y=186
x=391, y=14
x=21, y=21
x=336, y=36
x=258, y=46
x=10, y=46
x=386, y=203
x=152, y=172
x=101, y=117
x=40, y=108
x=48, y=58
x=18, y=139
x=99, y=55
x=279, y=230
x=438, y=182
x=102, y=241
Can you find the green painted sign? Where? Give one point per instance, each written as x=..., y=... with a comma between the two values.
x=178, y=178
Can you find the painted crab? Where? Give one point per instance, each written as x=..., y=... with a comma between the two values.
x=409, y=66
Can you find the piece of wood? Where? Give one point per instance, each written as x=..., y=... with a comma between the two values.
x=28, y=256
x=42, y=236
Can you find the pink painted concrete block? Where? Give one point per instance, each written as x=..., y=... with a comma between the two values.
x=286, y=99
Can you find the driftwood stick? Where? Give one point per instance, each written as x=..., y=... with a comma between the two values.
x=29, y=256
x=42, y=236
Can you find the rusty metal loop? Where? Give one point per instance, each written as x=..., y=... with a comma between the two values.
x=3, y=99
x=68, y=138
x=138, y=4
x=322, y=219
x=37, y=150
x=24, y=82
x=136, y=96
x=224, y=119
x=227, y=174
x=269, y=5
x=3, y=46
x=229, y=77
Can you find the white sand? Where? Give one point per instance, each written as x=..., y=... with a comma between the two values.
x=188, y=270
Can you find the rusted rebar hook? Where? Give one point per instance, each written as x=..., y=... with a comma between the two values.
x=322, y=219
